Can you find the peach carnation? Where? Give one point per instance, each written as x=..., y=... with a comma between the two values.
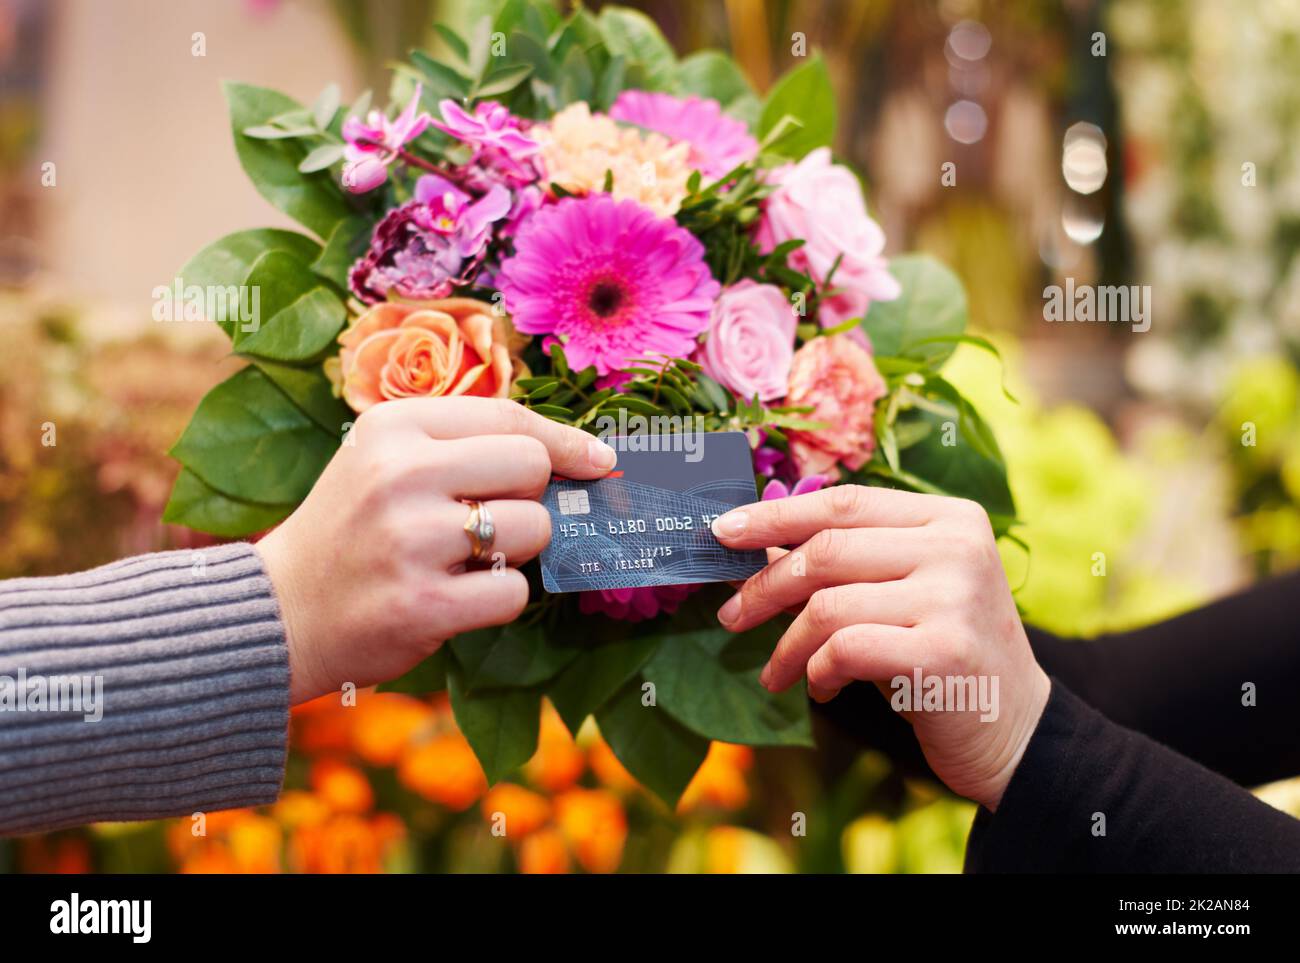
x=451, y=346
x=837, y=377
x=579, y=149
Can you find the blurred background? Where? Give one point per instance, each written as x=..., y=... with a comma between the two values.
x=1109, y=141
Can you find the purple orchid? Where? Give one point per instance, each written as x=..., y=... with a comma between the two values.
x=779, y=489
x=374, y=143
x=431, y=245
x=500, y=144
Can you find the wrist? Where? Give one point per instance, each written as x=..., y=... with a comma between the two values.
x=1039, y=690
x=306, y=677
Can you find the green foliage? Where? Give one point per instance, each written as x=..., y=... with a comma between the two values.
x=501, y=725
x=270, y=155
x=226, y=263
x=198, y=505
x=806, y=95
x=657, y=749
x=707, y=679
x=301, y=316
x=247, y=440
x=931, y=308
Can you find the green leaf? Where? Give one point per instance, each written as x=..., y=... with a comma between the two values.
x=660, y=752
x=272, y=132
x=440, y=80
x=453, y=40
x=922, y=323
x=302, y=315
x=984, y=344
x=326, y=155
x=201, y=507
x=610, y=84
x=429, y=676
x=635, y=37
x=326, y=106
x=577, y=80
x=805, y=94
x=225, y=263
x=310, y=390
x=500, y=725
x=711, y=73
x=596, y=674
x=510, y=656
x=312, y=200
x=959, y=470
x=249, y=441
x=708, y=680
x=347, y=242
x=973, y=427
x=503, y=80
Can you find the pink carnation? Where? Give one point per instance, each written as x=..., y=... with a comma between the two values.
x=718, y=142
x=634, y=604
x=836, y=376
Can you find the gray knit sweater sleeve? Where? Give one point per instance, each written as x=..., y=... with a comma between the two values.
x=155, y=686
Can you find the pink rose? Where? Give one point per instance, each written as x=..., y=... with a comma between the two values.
x=821, y=203
x=837, y=377
x=751, y=340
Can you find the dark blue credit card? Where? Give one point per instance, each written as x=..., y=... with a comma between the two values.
x=648, y=522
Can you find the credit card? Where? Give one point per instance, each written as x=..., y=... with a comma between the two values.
x=648, y=522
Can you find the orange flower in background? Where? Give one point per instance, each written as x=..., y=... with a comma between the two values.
x=558, y=762
x=452, y=346
x=443, y=770
x=54, y=854
x=215, y=858
x=296, y=807
x=595, y=825
x=347, y=844
x=544, y=853
x=385, y=723
x=612, y=773
x=343, y=788
x=322, y=725
x=720, y=781
x=524, y=810
x=255, y=844
x=233, y=841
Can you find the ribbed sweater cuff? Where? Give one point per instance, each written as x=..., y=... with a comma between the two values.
x=181, y=656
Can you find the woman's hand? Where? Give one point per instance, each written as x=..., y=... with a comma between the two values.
x=371, y=571
x=891, y=582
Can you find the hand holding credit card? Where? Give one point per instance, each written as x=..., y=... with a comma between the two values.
x=648, y=522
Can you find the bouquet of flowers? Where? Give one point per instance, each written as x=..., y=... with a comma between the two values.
x=560, y=211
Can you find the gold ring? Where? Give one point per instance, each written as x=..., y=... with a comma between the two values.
x=481, y=531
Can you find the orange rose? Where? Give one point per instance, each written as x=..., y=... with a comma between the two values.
x=454, y=346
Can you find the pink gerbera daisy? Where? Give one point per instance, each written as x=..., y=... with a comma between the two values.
x=718, y=142
x=609, y=280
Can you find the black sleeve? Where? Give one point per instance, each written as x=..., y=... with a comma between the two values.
x=1093, y=796
x=1189, y=682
